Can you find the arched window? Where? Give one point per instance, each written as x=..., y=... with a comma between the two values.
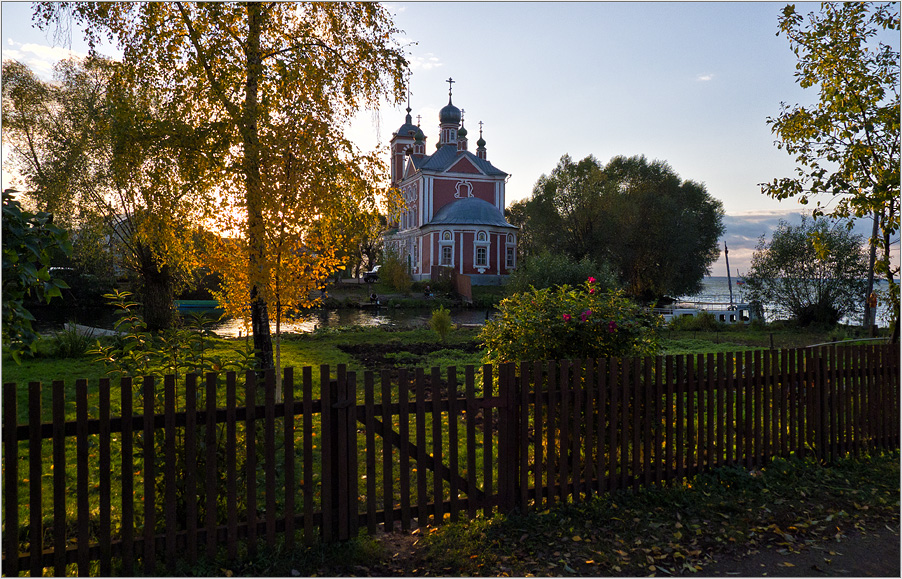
x=481, y=236
x=446, y=236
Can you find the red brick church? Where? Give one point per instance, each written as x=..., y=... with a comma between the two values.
x=453, y=212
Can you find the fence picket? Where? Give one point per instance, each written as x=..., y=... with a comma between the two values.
x=250, y=403
x=231, y=452
x=388, y=494
x=211, y=475
x=404, y=434
x=487, y=427
x=551, y=470
x=422, y=497
x=35, y=454
x=590, y=466
x=625, y=404
x=191, y=459
x=658, y=395
x=453, y=442
x=470, y=393
x=369, y=399
x=168, y=470
x=59, y=478
x=342, y=472
x=149, y=479
x=128, y=473
x=565, y=418
x=608, y=425
x=437, y=485
x=307, y=481
x=600, y=387
x=288, y=445
x=522, y=402
x=269, y=455
x=669, y=441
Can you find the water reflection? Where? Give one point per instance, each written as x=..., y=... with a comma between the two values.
x=382, y=317
x=53, y=319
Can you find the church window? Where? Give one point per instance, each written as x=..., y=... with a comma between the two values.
x=480, y=236
x=481, y=257
x=510, y=257
x=447, y=254
x=446, y=236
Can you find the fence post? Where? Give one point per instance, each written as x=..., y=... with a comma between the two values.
x=508, y=462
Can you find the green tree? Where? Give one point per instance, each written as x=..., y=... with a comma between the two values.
x=95, y=150
x=846, y=145
x=548, y=269
x=29, y=239
x=813, y=272
x=278, y=77
x=659, y=233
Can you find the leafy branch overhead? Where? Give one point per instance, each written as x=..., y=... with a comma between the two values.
x=280, y=81
x=846, y=144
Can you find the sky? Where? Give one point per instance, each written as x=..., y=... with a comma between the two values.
x=689, y=83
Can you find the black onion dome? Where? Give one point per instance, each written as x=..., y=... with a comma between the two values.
x=449, y=115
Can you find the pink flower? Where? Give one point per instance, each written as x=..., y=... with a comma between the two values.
x=566, y=317
x=585, y=315
x=591, y=279
x=612, y=325
x=592, y=290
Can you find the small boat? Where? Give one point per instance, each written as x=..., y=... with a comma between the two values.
x=197, y=306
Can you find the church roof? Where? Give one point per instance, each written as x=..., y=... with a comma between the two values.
x=470, y=211
x=444, y=158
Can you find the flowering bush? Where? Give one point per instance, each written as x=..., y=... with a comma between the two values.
x=569, y=323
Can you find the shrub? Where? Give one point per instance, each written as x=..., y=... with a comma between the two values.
x=441, y=322
x=69, y=343
x=554, y=269
x=393, y=273
x=703, y=322
x=569, y=323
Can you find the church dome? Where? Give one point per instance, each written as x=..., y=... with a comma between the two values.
x=462, y=132
x=470, y=211
x=449, y=115
x=480, y=142
x=419, y=136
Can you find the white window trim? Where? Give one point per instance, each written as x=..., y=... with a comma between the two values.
x=486, y=244
x=442, y=244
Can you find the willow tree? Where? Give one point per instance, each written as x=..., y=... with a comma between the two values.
x=258, y=68
x=96, y=151
x=846, y=144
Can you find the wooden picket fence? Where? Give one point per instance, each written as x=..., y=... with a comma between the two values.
x=209, y=464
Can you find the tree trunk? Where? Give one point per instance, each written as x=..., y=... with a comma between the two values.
x=156, y=294
x=254, y=192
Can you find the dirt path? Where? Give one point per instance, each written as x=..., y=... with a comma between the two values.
x=872, y=554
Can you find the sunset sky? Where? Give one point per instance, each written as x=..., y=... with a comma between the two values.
x=688, y=83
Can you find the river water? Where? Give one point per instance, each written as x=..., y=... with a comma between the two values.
x=49, y=319
x=716, y=289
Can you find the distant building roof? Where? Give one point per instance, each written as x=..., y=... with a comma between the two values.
x=447, y=155
x=470, y=211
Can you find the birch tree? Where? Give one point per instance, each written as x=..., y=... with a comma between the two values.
x=259, y=69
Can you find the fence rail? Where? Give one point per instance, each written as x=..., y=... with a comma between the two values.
x=189, y=468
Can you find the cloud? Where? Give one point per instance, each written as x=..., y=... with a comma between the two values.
x=40, y=58
x=704, y=77
x=427, y=62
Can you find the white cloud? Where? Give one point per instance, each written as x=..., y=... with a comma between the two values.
x=704, y=77
x=427, y=62
x=40, y=58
